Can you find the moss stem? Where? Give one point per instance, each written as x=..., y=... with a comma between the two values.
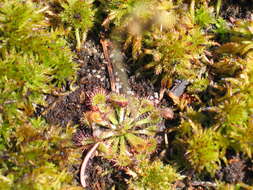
x=78, y=41
x=192, y=7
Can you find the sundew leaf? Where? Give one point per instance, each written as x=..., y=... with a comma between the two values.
x=115, y=145
x=137, y=142
x=123, y=146
x=150, y=130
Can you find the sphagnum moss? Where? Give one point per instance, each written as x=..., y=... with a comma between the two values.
x=78, y=15
x=35, y=57
x=154, y=175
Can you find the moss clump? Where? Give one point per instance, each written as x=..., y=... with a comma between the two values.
x=25, y=31
x=154, y=175
x=38, y=157
x=205, y=149
x=34, y=59
x=78, y=15
x=166, y=33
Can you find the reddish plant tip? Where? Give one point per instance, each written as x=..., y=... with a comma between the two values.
x=95, y=98
x=119, y=103
x=93, y=117
x=79, y=137
x=167, y=113
x=118, y=99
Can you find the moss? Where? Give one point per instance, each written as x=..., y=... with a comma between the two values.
x=154, y=175
x=38, y=157
x=78, y=15
x=170, y=38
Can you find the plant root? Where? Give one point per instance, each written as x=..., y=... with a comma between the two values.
x=85, y=162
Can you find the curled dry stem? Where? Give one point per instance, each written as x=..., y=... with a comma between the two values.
x=85, y=162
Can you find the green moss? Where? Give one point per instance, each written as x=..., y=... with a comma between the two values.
x=204, y=17
x=205, y=149
x=38, y=157
x=165, y=37
x=25, y=30
x=78, y=15
x=154, y=175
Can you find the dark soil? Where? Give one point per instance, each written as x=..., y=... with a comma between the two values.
x=68, y=107
x=237, y=9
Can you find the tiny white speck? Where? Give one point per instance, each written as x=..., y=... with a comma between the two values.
x=156, y=101
x=130, y=92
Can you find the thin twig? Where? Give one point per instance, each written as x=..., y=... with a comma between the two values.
x=161, y=93
x=105, y=45
x=85, y=162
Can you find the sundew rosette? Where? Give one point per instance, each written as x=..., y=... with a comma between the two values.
x=123, y=126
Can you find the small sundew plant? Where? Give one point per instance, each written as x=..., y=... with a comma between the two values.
x=78, y=15
x=154, y=175
x=123, y=125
